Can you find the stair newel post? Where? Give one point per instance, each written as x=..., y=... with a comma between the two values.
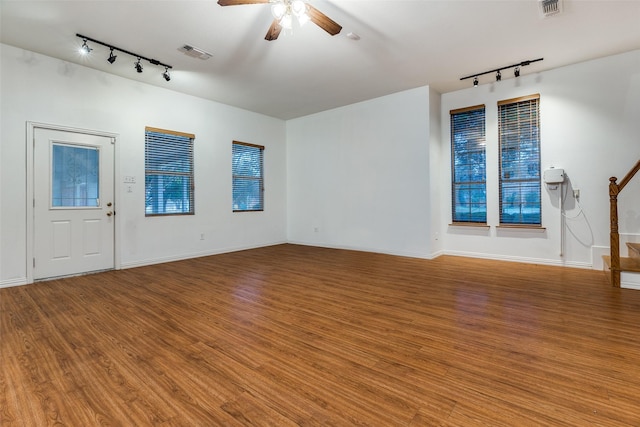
x=614, y=236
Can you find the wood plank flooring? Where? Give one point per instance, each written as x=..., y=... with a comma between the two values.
x=293, y=335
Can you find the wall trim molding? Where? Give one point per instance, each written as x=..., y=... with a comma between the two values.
x=526, y=260
x=9, y=283
x=190, y=255
x=371, y=250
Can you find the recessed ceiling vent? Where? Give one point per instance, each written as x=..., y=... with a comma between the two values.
x=549, y=7
x=194, y=52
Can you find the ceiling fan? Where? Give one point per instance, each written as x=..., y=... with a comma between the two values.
x=284, y=11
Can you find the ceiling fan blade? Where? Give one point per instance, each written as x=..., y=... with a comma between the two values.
x=237, y=2
x=323, y=21
x=274, y=30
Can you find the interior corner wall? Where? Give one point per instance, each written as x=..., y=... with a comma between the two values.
x=436, y=147
x=590, y=127
x=358, y=176
x=42, y=89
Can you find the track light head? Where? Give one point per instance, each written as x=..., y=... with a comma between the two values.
x=138, y=66
x=498, y=76
x=516, y=72
x=85, y=49
x=475, y=82
x=166, y=75
x=112, y=57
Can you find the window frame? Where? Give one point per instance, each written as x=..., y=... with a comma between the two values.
x=237, y=177
x=536, y=180
x=455, y=183
x=190, y=174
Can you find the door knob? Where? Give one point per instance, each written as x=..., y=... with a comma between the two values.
x=109, y=204
x=109, y=213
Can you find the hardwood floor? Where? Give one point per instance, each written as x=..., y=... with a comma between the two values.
x=295, y=335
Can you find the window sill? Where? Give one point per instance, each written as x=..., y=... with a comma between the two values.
x=469, y=224
x=521, y=227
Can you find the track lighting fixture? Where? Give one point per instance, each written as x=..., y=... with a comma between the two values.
x=112, y=57
x=85, y=49
x=516, y=71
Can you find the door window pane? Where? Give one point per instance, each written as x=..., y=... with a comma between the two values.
x=75, y=176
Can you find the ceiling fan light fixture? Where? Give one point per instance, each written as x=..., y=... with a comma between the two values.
x=298, y=7
x=284, y=11
x=303, y=19
x=278, y=10
x=286, y=22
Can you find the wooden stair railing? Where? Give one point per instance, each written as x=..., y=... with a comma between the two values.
x=614, y=190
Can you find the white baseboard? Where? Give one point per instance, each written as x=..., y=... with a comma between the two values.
x=180, y=257
x=13, y=282
x=436, y=254
x=365, y=249
x=527, y=260
x=630, y=280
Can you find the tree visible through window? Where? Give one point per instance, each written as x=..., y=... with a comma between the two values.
x=248, y=182
x=468, y=165
x=168, y=172
x=519, y=136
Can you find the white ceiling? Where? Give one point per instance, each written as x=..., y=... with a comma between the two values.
x=404, y=44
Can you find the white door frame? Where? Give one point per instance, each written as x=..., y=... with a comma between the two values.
x=30, y=182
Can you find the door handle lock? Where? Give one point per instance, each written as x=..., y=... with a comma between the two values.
x=109, y=204
x=109, y=213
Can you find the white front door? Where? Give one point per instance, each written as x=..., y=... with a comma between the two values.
x=73, y=203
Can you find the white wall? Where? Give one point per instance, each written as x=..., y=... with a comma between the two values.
x=590, y=126
x=373, y=176
x=359, y=176
x=42, y=89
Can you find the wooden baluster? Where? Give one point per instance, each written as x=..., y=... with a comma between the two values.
x=614, y=236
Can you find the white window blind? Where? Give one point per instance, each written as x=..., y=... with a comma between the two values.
x=169, y=185
x=519, y=137
x=248, y=181
x=468, y=165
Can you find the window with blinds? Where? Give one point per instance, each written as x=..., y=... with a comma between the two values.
x=168, y=164
x=468, y=165
x=519, y=138
x=248, y=180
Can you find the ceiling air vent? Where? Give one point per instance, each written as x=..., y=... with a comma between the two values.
x=194, y=52
x=549, y=7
